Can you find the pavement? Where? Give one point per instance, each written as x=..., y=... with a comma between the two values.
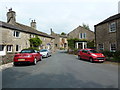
x=61, y=70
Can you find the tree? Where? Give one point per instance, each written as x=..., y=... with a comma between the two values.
x=86, y=26
x=63, y=33
x=35, y=42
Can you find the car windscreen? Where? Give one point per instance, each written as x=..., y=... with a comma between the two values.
x=43, y=50
x=27, y=51
x=93, y=51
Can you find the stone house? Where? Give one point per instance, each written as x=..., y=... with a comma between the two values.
x=107, y=34
x=60, y=41
x=15, y=36
x=83, y=34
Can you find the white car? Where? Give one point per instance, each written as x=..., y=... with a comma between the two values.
x=45, y=52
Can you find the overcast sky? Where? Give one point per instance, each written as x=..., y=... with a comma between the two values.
x=60, y=15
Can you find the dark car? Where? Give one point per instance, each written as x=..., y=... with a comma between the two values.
x=91, y=55
x=27, y=56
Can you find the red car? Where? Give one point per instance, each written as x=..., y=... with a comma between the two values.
x=91, y=55
x=27, y=56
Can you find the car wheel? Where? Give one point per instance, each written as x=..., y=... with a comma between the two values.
x=79, y=57
x=41, y=58
x=35, y=61
x=47, y=55
x=91, y=60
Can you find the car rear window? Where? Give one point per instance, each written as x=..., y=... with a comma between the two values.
x=27, y=51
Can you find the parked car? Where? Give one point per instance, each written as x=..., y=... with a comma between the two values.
x=27, y=56
x=45, y=52
x=91, y=55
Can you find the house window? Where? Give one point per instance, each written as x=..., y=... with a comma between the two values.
x=112, y=27
x=101, y=47
x=113, y=47
x=1, y=47
x=9, y=48
x=16, y=34
x=18, y=47
x=82, y=35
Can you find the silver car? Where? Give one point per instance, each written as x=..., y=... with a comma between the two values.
x=45, y=52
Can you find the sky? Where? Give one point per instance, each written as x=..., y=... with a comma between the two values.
x=60, y=15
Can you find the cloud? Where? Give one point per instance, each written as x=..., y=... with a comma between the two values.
x=61, y=15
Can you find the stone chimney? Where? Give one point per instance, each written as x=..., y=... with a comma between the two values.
x=119, y=7
x=52, y=33
x=11, y=16
x=33, y=24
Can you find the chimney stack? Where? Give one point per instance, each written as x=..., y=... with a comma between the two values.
x=11, y=16
x=33, y=24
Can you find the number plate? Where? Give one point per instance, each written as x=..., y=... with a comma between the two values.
x=21, y=59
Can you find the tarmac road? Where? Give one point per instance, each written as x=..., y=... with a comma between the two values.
x=61, y=70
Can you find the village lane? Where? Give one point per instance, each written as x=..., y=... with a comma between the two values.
x=61, y=70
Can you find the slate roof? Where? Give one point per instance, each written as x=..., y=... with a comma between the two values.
x=111, y=18
x=23, y=28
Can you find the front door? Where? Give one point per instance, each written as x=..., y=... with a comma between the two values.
x=80, y=46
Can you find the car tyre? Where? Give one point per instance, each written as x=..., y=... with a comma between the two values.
x=47, y=55
x=35, y=61
x=41, y=58
x=91, y=60
x=79, y=57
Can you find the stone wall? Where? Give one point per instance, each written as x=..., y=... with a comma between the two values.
x=76, y=32
x=7, y=58
x=105, y=37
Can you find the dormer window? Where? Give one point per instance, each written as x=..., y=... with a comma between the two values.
x=112, y=27
x=16, y=34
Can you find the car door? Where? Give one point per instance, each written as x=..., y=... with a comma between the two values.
x=37, y=55
x=85, y=54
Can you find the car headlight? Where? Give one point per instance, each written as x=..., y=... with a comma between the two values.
x=93, y=55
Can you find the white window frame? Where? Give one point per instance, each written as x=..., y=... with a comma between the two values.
x=15, y=34
x=112, y=27
x=111, y=47
x=100, y=47
x=84, y=35
x=9, y=48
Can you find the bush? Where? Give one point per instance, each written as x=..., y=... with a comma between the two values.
x=112, y=56
x=62, y=48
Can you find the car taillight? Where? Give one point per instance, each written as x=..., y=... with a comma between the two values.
x=16, y=55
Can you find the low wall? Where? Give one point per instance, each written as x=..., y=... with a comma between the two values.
x=7, y=58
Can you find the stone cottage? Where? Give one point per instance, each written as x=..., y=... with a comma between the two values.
x=15, y=36
x=83, y=34
x=60, y=41
x=107, y=34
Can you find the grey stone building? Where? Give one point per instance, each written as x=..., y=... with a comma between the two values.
x=15, y=36
x=83, y=34
x=60, y=41
x=107, y=34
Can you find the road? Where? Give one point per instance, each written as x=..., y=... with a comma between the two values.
x=61, y=70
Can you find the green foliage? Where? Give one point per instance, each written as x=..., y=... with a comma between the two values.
x=63, y=33
x=62, y=48
x=90, y=44
x=71, y=42
x=35, y=48
x=35, y=42
x=85, y=26
x=112, y=56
